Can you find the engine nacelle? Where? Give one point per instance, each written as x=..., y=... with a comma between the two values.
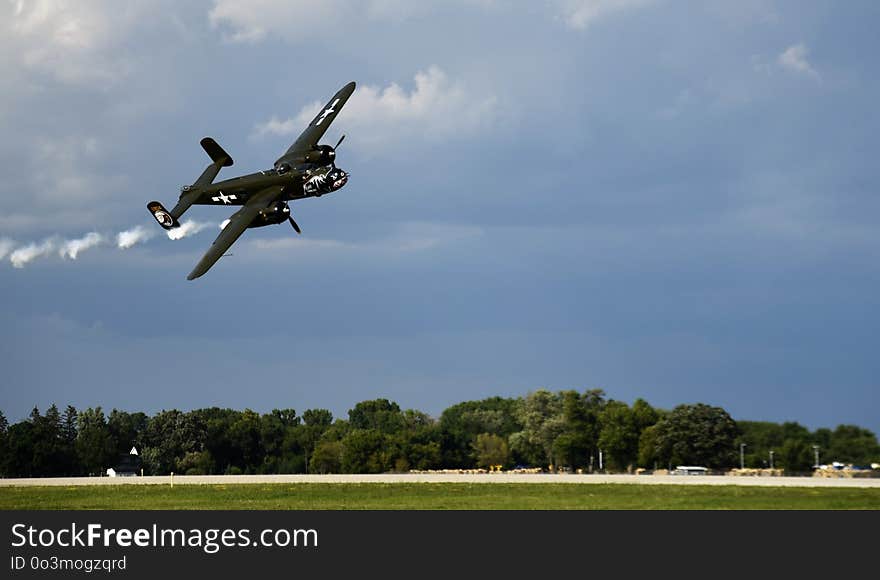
x=274, y=214
x=320, y=155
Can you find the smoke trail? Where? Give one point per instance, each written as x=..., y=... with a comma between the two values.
x=135, y=235
x=186, y=229
x=21, y=256
x=71, y=248
x=6, y=246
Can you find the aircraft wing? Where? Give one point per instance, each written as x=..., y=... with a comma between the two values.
x=316, y=129
x=238, y=223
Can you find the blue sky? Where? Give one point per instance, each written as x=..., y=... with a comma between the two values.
x=665, y=199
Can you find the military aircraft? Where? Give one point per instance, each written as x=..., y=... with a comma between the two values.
x=305, y=170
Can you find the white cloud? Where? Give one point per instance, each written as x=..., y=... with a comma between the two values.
x=794, y=59
x=409, y=237
x=252, y=21
x=6, y=246
x=72, y=41
x=580, y=14
x=25, y=254
x=299, y=20
x=436, y=108
x=72, y=248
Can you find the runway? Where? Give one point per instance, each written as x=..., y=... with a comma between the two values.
x=476, y=478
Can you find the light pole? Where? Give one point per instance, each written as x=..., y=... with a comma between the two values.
x=742, y=457
x=771, y=459
x=816, y=455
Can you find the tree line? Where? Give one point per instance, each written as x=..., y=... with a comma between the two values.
x=567, y=430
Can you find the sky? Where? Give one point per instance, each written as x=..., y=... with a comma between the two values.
x=664, y=199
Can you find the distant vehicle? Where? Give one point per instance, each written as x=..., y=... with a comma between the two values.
x=690, y=470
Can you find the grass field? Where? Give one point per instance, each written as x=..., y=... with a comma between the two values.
x=437, y=496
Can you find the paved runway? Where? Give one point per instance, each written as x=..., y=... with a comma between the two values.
x=452, y=478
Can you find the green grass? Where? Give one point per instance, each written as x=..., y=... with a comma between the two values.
x=436, y=496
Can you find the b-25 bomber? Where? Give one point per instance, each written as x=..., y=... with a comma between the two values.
x=305, y=170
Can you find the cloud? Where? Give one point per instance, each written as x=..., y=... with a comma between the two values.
x=252, y=21
x=24, y=255
x=581, y=14
x=71, y=248
x=71, y=40
x=409, y=237
x=65, y=176
x=6, y=246
x=794, y=59
x=436, y=108
x=300, y=20
x=136, y=235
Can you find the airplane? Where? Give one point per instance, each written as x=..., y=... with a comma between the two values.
x=305, y=170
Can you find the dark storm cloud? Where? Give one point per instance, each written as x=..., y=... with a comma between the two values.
x=666, y=200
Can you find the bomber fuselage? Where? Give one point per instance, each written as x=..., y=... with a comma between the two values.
x=299, y=183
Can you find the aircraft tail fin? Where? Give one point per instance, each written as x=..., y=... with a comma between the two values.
x=220, y=159
x=215, y=152
x=162, y=215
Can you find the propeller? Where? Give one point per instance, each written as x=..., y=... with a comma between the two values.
x=293, y=223
x=338, y=143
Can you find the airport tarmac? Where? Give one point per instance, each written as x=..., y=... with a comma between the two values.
x=453, y=478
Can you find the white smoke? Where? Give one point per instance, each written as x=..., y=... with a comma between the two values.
x=6, y=246
x=135, y=235
x=72, y=248
x=186, y=229
x=21, y=256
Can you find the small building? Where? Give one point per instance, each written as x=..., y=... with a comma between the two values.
x=128, y=465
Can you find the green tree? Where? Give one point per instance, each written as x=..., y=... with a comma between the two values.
x=244, y=436
x=460, y=424
x=327, y=457
x=619, y=435
x=379, y=414
x=48, y=446
x=126, y=430
x=95, y=448
x=20, y=450
x=697, y=435
x=579, y=436
x=417, y=444
x=274, y=430
x=541, y=415
x=318, y=418
x=491, y=450
x=853, y=444
x=795, y=456
x=195, y=463
x=305, y=436
x=365, y=451
x=4, y=445
x=644, y=414
x=169, y=436
x=649, y=452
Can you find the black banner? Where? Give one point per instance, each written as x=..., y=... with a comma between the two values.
x=235, y=544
